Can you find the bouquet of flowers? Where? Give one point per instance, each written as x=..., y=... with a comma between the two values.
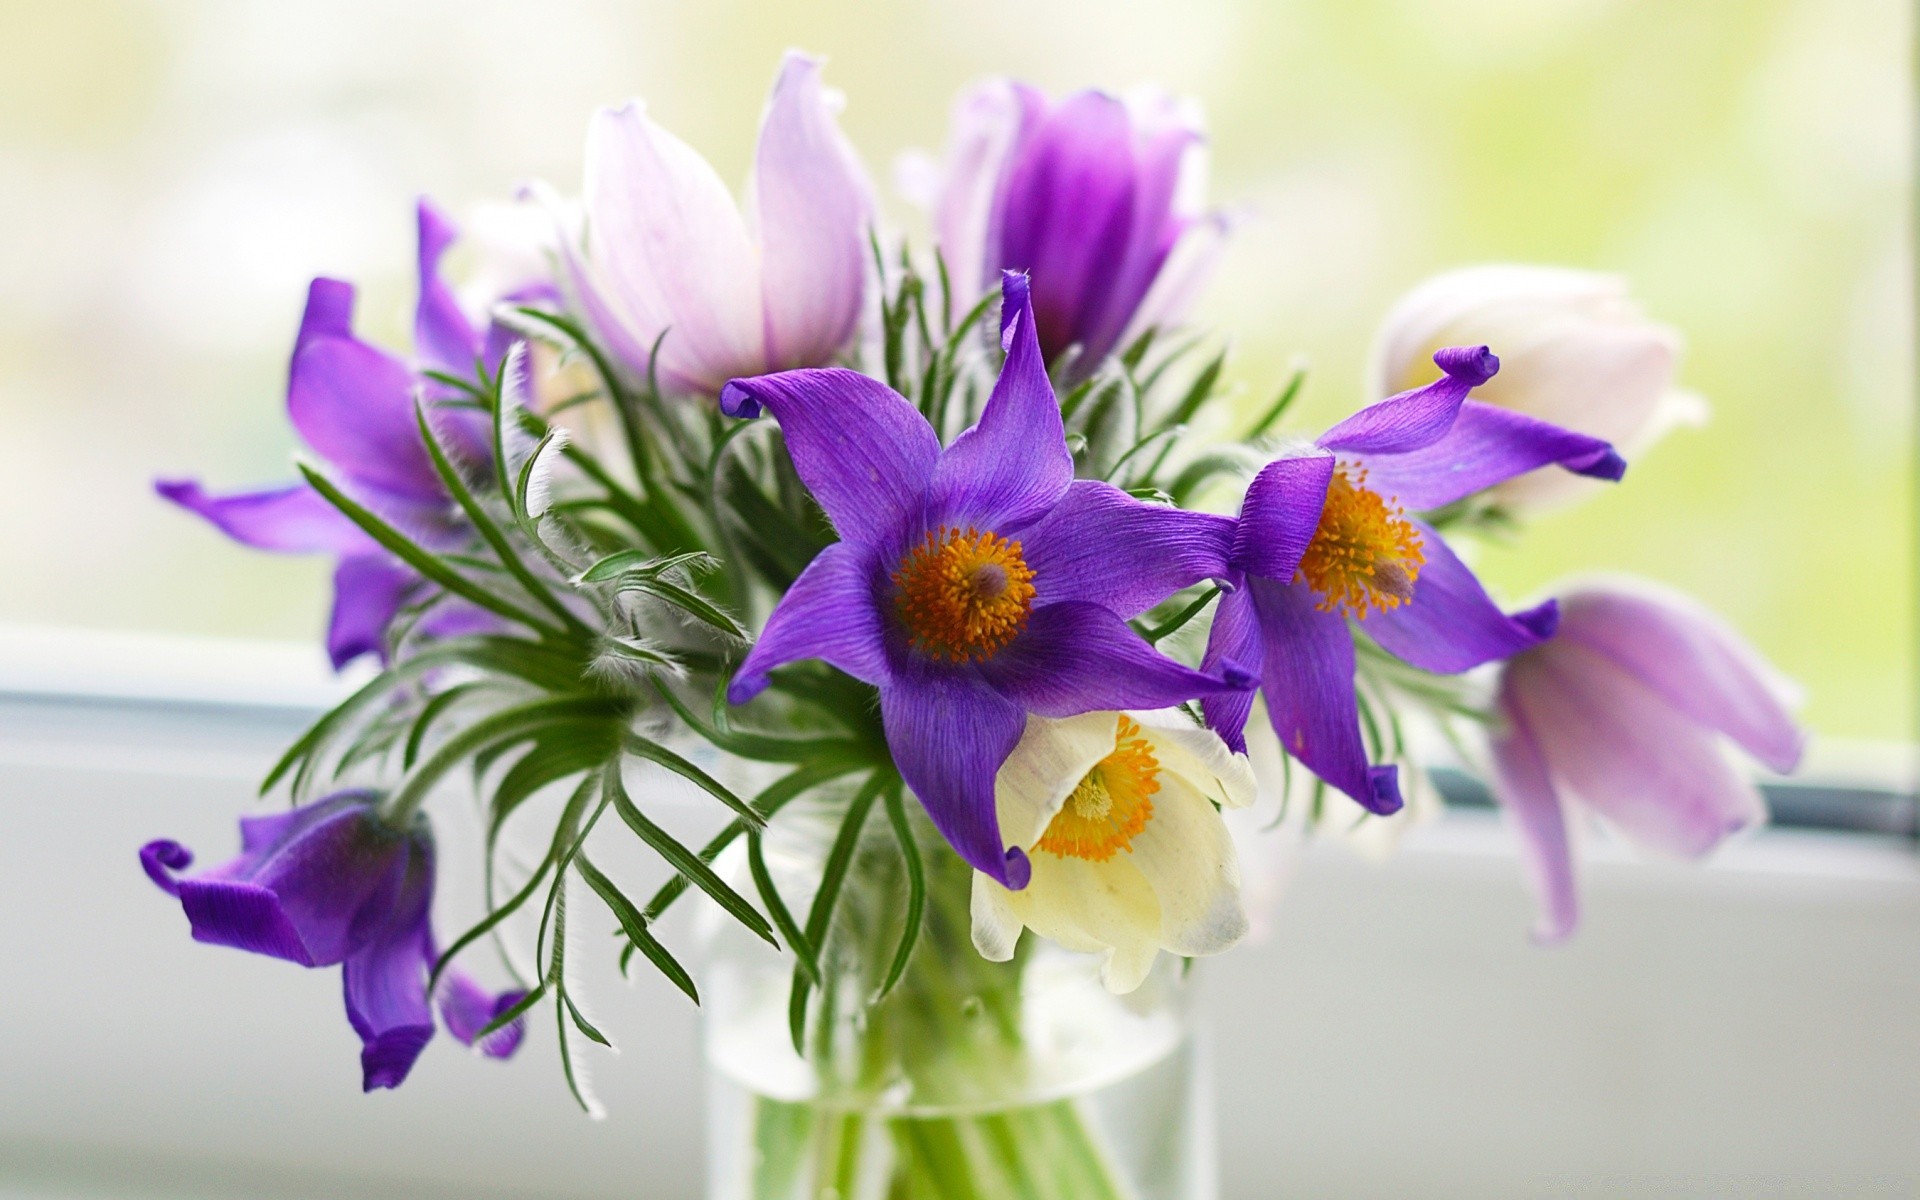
x=956, y=585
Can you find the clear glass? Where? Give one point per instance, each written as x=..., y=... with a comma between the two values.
x=971, y=1080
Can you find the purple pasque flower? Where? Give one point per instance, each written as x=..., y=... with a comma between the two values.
x=1326, y=547
x=330, y=884
x=976, y=584
x=353, y=404
x=1096, y=197
x=1624, y=714
x=668, y=250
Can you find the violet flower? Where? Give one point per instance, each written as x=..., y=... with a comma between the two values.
x=1093, y=196
x=331, y=884
x=1325, y=537
x=353, y=404
x=976, y=584
x=1623, y=714
x=668, y=251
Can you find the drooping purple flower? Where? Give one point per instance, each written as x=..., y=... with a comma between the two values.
x=1623, y=714
x=1095, y=197
x=330, y=884
x=353, y=404
x=1325, y=539
x=976, y=584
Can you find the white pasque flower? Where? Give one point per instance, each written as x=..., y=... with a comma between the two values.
x=1575, y=350
x=1130, y=857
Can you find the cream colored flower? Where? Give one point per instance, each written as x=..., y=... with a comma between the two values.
x=1575, y=350
x=1130, y=857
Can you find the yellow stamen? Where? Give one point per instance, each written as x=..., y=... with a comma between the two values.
x=964, y=595
x=1365, y=555
x=1111, y=805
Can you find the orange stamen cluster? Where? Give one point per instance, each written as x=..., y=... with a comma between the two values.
x=1111, y=805
x=1366, y=554
x=963, y=595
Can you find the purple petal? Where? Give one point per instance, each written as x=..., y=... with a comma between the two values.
x=1280, y=514
x=385, y=982
x=1157, y=153
x=353, y=403
x=1694, y=662
x=1486, y=446
x=293, y=519
x=1307, y=677
x=442, y=335
x=368, y=591
x=467, y=1008
x=1011, y=468
x=814, y=209
x=1451, y=624
x=1628, y=753
x=1235, y=639
x=1417, y=418
x=949, y=734
x=832, y=612
x=160, y=859
x=1077, y=657
x=864, y=452
x=1126, y=555
x=990, y=121
x=1525, y=790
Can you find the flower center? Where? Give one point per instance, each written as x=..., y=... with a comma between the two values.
x=1365, y=554
x=1111, y=805
x=964, y=595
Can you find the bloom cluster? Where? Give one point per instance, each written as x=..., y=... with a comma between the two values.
x=977, y=527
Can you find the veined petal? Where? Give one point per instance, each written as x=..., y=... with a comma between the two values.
x=386, y=982
x=1694, y=661
x=1524, y=787
x=1487, y=446
x=1200, y=757
x=1629, y=754
x=864, y=452
x=1077, y=657
x=1417, y=418
x=1188, y=859
x=832, y=613
x=467, y=1008
x=1095, y=907
x=949, y=734
x=989, y=121
x=293, y=519
x=671, y=249
x=1235, y=638
x=1451, y=624
x=1013, y=467
x=814, y=207
x=442, y=336
x=996, y=927
x=1103, y=546
x=1053, y=756
x=368, y=590
x=1307, y=678
x=1162, y=139
x=1196, y=254
x=1280, y=514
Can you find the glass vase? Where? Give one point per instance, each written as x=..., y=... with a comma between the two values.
x=969, y=1080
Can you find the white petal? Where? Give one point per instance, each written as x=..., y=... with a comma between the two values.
x=996, y=927
x=813, y=205
x=1187, y=855
x=1094, y=907
x=670, y=250
x=1052, y=758
x=1200, y=757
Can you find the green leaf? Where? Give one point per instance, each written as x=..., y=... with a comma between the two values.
x=582, y=1024
x=513, y=1014
x=693, y=605
x=1198, y=392
x=759, y=747
x=916, y=889
x=506, y=725
x=1287, y=394
x=803, y=949
x=556, y=753
x=318, y=735
x=640, y=562
x=653, y=751
x=635, y=927
x=430, y=712
x=685, y=861
x=1179, y=619
x=832, y=875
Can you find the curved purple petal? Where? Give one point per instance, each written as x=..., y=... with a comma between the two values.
x=1307, y=677
x=160, y=859
x=1524, y=787
x=293, y=519
x=1451, y=624
x=467, y=1008
x=368, y=590
x=1126, y=555
x=1694, y=662
x=1157, y=156
x=949, y=733
x=1235, y=639
x=385, y=982
x=328, y=314
x=864, y=452
x=1486, y=446
x=1417, y=418
x=1280, y=514
x=1077, y=657
x=442, y=335
x=1014, y=466
x=832, y=612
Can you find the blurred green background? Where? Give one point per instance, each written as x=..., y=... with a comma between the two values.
x=175, y=172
